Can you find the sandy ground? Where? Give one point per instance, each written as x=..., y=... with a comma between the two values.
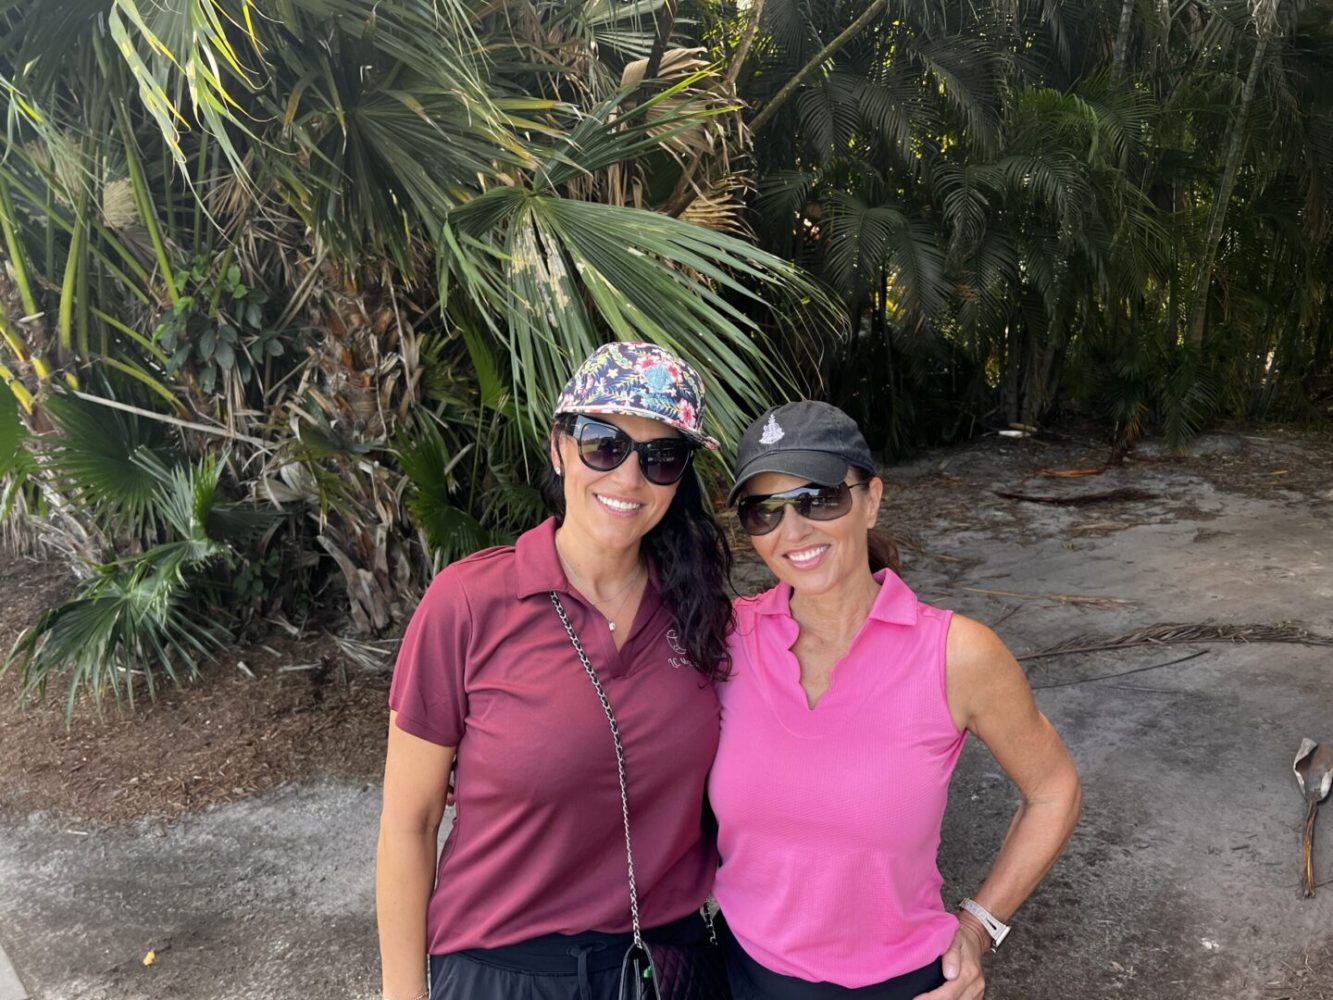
x=1182, y=881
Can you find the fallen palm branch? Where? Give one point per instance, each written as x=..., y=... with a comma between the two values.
x=1083, y=600
x=1081, y=499
x=1105, y=525
x=369, y=655
x=1122, y=673
x=1168, y=634
x=1070, y=473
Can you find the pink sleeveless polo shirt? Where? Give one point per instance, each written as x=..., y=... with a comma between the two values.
x=829, y=818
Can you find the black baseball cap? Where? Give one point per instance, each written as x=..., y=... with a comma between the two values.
x=809, y=439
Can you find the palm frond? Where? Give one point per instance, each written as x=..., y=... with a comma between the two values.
x=965, y=205
x=965, y=71
x=867, y=241
x=1052, y=180
x=818, y=118
x=141, y=615
x=613, y=132
x=570, y=270
x=126, y=625
x=626, y=28
x=1189, y=400
x=788, y=24
x=429, y=464
x=12, y=433
x=97, y=462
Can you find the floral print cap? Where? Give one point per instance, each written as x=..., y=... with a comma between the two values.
x=639, y=380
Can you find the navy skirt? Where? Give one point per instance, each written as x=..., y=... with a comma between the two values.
x=752, y=981
x=582, y=966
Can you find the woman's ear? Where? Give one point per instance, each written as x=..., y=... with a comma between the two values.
x=874, y=494
x=557, y=462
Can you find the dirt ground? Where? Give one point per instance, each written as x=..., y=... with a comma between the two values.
x=303, y=709
x=229, y=828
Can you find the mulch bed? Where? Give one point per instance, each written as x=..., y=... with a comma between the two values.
x=224, y=737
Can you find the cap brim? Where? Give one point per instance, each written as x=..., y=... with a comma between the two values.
x=813, y=466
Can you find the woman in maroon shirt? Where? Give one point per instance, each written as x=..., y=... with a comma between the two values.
x=529, y=896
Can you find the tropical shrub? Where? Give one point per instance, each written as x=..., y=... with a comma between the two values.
x=330, y=261
x=346, y=250
x=1040, y=205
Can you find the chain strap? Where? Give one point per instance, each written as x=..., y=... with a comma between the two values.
x=620, y=762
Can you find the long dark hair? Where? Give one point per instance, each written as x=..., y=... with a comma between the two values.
x=880, y=547
x=693, y=562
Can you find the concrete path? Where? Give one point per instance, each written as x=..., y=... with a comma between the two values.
x=11, y=988
x=1181, y=883
x=266, y=899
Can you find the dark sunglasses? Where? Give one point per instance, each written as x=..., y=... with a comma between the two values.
x=761, y=514
x=603, y=447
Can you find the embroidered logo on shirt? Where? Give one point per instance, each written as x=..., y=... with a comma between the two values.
x=773, y=432
x=682, y=657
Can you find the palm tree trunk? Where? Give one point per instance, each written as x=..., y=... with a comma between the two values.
x=747, y=39
x=1122, y=41
x=821, y=57
x=664, y=28
x=1217, y=214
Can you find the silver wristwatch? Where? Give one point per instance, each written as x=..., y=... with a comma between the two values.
x=997, y=930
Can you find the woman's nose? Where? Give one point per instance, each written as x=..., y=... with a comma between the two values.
x=792, y=525
x=629, y=472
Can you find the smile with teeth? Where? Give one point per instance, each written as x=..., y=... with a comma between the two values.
x=622, y=506
x=807, y=555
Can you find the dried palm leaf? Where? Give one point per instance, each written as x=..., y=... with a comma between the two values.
x=1166, y=634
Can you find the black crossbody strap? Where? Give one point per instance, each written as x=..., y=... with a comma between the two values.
x=620, y=762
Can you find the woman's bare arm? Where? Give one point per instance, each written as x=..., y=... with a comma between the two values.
x=416, y=779
x=989, y=695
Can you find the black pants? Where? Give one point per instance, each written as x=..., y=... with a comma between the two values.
x=552, y=967
x=752, y=981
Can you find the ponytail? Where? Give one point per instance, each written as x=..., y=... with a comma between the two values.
x=880, y=546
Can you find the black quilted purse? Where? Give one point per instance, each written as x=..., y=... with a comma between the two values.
x=685, y=970
x=690, y=971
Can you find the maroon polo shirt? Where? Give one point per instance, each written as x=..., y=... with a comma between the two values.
x=537, y=846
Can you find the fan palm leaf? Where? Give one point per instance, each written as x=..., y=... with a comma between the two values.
x=558, y=274
x=96, y=461
x=143, y=614
x=570, y=269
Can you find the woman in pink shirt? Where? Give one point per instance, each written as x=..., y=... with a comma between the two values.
x=847, y=708
x=501, y=674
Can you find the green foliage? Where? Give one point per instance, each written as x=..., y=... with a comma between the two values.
x=216, y=327
x=426, y=460
x=1189, y=399
x=146, y=615
x=1027, y=190
x=360, y=269
x=284, y=319
x=12, y=433
x=555, y=274
x=97, y=463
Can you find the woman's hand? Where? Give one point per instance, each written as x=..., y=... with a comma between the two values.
x=962, y=966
